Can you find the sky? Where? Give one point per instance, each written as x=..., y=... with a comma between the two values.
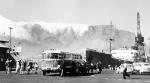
x=121, y=12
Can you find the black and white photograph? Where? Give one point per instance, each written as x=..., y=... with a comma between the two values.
x=74, y=41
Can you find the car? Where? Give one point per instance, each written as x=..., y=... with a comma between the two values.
x=129, y=67
x=141, y=67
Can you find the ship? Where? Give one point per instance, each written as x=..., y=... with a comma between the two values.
x=125, y=54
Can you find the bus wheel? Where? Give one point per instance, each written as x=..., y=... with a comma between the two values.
x=62, y=73
x=73, y=72
x=44, y=73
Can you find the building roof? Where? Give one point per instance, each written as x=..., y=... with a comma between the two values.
x=4, y=41
x=3, y=46
x=52, y=51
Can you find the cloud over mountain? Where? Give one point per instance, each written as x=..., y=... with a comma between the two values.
x=37, y=36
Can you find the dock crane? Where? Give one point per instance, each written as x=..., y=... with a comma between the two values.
x=139, y=41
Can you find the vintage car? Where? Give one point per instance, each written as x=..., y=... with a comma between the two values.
x=129, y=67
x=141, y=67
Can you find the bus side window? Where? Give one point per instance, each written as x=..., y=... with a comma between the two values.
x=48, y=55
x=72, y=56
x=44, y=55
x=56, y=56
x=60, y=56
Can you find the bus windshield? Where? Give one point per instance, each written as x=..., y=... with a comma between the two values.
x=52, y=56
x=68, y=56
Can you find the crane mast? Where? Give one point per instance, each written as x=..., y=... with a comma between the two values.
x=139, y=40
x=138, y=26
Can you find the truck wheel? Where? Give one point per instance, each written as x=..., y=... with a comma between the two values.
x=62, y=73
x=44, y=73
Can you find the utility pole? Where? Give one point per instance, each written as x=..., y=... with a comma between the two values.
x=110, y=43
x=110, y=39
x=10, y=39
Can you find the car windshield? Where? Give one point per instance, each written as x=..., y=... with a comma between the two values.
x=147, y=64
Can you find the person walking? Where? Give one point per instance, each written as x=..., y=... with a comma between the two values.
x=21, y=66
x=36, y=67
x=100, y=67
x=30, y=67
x=92, y=68
x=25, y=65
x=125, y=73
x=17, y=66
x=7, y=64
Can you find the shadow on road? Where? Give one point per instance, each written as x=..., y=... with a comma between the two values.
x=135, y=78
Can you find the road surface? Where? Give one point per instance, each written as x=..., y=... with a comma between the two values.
x=107, y=76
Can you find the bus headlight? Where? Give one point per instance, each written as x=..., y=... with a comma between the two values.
x=58, y=66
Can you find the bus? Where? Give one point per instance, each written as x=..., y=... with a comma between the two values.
x=57, y=61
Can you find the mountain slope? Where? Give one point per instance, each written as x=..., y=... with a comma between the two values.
x=34, y=37
x=96, y=37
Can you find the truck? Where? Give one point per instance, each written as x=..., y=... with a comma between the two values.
x=94, y=58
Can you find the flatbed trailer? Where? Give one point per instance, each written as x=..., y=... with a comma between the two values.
x=91, y=56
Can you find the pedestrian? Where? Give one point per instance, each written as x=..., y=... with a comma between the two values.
x=115, y=67
x=100, y=67
x=92, y=68
x=25, y=65
x=21, y=66
x=125, y=73
x=29, y=67
x=17, y=66
x=36, y=68
x=7, y=64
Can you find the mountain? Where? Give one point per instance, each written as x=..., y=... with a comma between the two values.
x=95, y=36
x=35, y=37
